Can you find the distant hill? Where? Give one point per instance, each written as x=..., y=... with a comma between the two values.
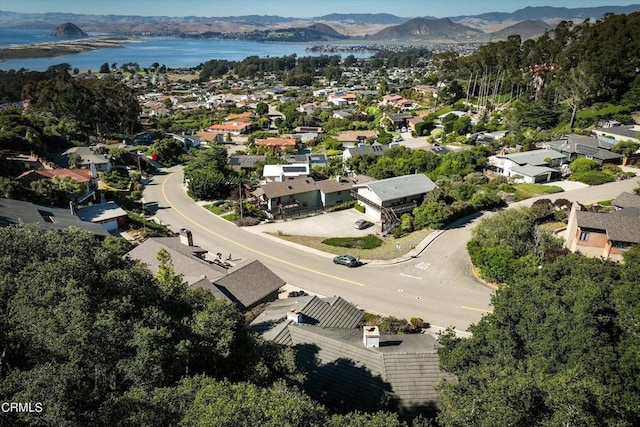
x=424, y=29
x=325, y=29
x=68, y=30
x=378, y=26
x=363, y=18
x=549, y=12
x=526, y=30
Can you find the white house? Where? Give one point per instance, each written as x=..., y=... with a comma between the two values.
x=278, y=173
x=529, y=166
x=387, y=199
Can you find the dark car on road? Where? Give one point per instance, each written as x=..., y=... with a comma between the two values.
x=348, y=260
x=361, y=224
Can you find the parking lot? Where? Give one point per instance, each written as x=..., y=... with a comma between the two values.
x=329, y=224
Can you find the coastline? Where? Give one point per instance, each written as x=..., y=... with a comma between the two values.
x=59, y=48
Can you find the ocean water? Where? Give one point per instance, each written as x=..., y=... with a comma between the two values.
x=172, y=52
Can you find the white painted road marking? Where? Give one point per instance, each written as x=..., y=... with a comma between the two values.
x=411, y=277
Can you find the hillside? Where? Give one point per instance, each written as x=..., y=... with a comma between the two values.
x=423, y=29
x=526, y=30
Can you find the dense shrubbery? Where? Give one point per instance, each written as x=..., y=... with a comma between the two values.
x=366, y=242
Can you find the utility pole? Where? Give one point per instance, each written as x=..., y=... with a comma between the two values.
x=240, y=196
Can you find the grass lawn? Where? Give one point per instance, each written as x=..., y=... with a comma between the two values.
x=387, y=250
x=526, y=191
x=365, y=242
x=218, y=208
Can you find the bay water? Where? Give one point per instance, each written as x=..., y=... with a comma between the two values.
x=171, y=52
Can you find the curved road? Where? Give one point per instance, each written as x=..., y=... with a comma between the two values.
x=436, y=285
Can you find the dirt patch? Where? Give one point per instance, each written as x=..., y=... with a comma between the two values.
x=391, y=247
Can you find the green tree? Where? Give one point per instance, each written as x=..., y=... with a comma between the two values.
x=583, y=165
x=555, y=351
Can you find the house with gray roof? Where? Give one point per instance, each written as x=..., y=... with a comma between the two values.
x=626, y=200
x=615, y=134
x=109, y=215
x=579, y=146
x=386, y=199
x=375, y=149
x=245, y=162
x=353, y=367
x=246, y=284
x=528, y=166
x=16, y=211
x=88, y=157
x=303, y=193
x=605, y=235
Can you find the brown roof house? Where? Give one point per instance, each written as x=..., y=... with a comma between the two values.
x=605, y=235
x=246, y=284
x=349, y=366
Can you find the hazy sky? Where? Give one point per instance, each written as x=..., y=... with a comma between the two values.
x=290, y=8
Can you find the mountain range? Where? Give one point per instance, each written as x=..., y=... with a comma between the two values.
x=528, y=22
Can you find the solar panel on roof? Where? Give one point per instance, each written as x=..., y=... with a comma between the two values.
x=585, y=149
x=294, y=169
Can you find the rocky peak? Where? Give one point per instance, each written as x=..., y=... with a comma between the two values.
x=68, y=30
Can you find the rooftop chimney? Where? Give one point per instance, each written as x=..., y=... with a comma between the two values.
x=371, y=336
x=186, y=238
x=338, y=178
x=294, y=315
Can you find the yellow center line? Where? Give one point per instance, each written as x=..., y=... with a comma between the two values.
x=481, y=310
x=330, y=276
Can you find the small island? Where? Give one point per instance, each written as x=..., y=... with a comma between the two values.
x=68, y=29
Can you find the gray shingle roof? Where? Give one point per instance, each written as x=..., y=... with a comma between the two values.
x=244, y=284
x=626, y=200
x=101, y=212
x=16, y=211
x=295, y=185
x=529, y=170
x=618, y=226
x=535, y=157
x=400, y=186
x=400, y=374
x=249, y=283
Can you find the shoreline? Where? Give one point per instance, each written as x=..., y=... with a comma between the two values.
x=60, y=48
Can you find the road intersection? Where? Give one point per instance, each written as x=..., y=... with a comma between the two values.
x=435, y=284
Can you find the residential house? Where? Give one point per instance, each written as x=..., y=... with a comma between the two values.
x=438, y=122
x=579, y=146
x=312, y=159
x=233, y=127
x=529, y=166
x=109, y=215
x=87, y=178
x=342, y=99
x=88, y=157
x=291, y=195
x=614, y=134
x=374, y=149
x=604, y=235
x=398, y=102
x=356, y=136
x=245, y=162
x=279, y=173
x=350, y=366
x=246, y=284
x=344, y=114
x=299, y=194
x=280, y=144
x=387, y=199
x=397, y=120
x=16, y=211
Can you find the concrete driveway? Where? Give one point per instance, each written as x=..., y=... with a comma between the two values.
x=329, y=224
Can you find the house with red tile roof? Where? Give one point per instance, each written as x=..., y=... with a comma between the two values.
x=278, y=143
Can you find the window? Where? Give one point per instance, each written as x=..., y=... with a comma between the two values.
x=339, y=193
x=584, y=236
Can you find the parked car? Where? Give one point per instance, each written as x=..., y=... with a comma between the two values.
x=348, y=260
x=361, y=224
x=294, y=294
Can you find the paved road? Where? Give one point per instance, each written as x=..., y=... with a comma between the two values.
x=436, y=285
x=422, y=287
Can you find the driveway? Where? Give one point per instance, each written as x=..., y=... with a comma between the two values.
x=329, y=224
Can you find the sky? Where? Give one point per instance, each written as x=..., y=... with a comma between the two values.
x=290, y=8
